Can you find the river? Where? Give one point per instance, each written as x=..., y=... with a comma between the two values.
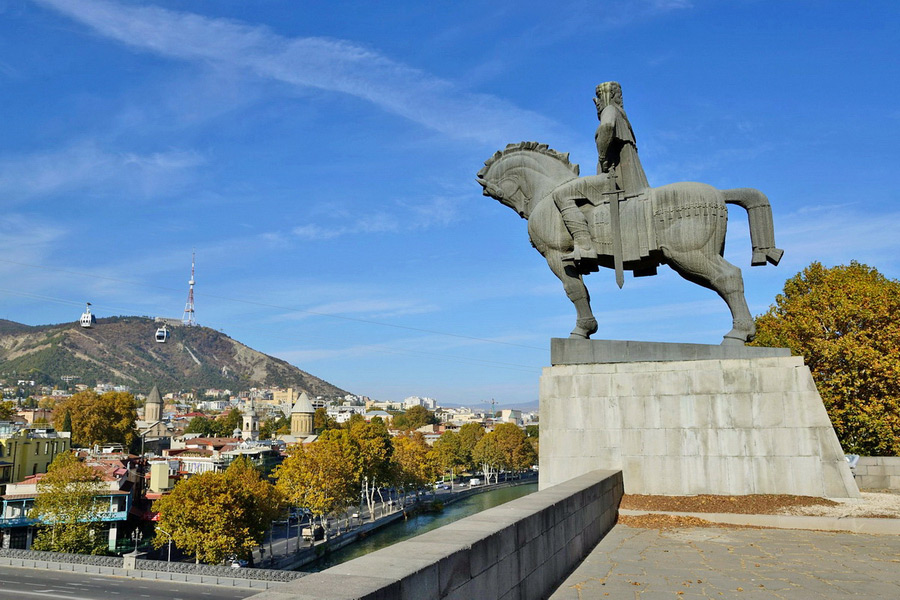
x=402, y=530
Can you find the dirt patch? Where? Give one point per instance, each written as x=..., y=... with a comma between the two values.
x=754, y=504
x=662, y=521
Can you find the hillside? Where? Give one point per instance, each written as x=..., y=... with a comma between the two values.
x=123, y=350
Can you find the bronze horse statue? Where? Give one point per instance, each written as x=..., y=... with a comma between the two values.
x=681, y=225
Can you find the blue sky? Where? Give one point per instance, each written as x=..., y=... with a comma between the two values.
x=320, y=157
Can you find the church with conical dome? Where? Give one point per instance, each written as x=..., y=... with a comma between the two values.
x=302, y=422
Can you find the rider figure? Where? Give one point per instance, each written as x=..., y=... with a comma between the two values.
x=616, y=149
x=616, y=146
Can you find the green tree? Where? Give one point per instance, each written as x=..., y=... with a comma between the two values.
x=469, y=436
x=66, y=507
x=98, y=419
x=66, y=422
x=215, y=514
x=203, y=425
x=319, y=476
x=419, y=416
x=844, y=322
x=228, y=422
x=399, y=421
x=7, y=409
x=273, y=426
x=322, y=422
x=446, y=454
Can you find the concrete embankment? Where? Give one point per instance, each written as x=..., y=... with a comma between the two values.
x=522, y=548
x=310, y=554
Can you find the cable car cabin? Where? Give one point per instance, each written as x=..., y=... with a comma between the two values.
x=162, y=335
x=87, y=319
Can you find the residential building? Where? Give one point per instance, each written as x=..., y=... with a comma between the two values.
x=29, y=451
x=120, y=479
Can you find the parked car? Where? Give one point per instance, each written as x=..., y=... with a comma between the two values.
x=317, y=533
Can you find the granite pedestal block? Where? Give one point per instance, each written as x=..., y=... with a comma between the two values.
x=733, y=421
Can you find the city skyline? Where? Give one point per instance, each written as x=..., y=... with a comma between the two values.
x=321, y=161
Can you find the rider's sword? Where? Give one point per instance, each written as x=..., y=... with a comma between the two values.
x=615, y=228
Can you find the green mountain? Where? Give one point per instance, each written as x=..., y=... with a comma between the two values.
x=123, y=350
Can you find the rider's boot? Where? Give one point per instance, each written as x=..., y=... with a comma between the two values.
x=576, y=223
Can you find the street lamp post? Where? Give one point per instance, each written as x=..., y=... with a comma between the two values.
x=169, y=559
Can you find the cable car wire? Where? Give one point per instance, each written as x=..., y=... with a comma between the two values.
x=277, y=307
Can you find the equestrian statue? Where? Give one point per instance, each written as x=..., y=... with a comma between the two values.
x=616, y=220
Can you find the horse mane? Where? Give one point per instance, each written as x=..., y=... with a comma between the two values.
x=533, y=147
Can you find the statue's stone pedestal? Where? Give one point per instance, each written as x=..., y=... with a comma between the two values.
x=683, y=419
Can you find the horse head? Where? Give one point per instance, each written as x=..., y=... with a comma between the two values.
x=523, y=173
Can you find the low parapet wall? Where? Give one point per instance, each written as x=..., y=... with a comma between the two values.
x=878, y=472
x=521, y=549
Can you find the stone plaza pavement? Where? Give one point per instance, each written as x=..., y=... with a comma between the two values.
x=712, y=562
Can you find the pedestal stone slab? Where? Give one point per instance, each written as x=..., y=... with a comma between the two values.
x=568, y=351
x=731, y=424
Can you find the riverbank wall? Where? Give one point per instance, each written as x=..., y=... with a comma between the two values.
x=520, y=549
x=310, y=554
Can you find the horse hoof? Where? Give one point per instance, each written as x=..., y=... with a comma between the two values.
x=732, y=341
x=577, y=335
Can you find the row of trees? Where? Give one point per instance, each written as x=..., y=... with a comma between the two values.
x=214, y=515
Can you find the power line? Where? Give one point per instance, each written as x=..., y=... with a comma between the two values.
x=278, y=307
x=379, y=348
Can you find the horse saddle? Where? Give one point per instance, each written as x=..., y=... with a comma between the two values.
x=593, y=194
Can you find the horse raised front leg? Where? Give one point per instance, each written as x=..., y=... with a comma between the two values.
x=716, y=273
x=585, y=323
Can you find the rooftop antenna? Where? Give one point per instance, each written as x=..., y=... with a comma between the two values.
x=188, y=317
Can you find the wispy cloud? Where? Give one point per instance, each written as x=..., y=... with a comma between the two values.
x=312, y=62
x=838, y=234
x=85, y=166
x=374, y=308
x=436, y=212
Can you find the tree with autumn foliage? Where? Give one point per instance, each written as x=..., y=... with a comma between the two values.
x=320, y=475
x=67, y=510
x=98, y=418
x=518, y=453
x=844, y=322
x=216, y=514
x=372, y=449
x=410, y=458
x=488, y=456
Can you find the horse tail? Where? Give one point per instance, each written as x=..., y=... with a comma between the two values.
x=762, y=230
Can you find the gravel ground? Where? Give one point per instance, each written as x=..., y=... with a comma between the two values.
x=884, y=505
x=873, y=504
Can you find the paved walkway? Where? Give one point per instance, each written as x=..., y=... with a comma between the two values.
x=649, y=564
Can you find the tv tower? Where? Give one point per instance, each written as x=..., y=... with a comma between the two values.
x=188, y=317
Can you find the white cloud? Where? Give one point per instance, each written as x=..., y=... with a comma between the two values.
x=332, y=65
x=85, y=166
x=837, y=234
x=436, y=212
